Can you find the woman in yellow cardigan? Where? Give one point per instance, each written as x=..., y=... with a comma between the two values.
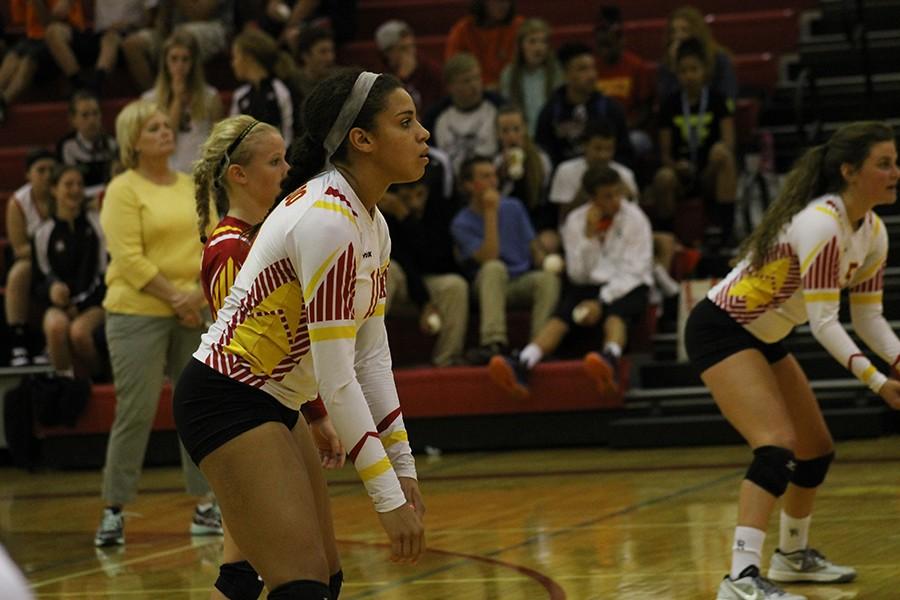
x=154, y=306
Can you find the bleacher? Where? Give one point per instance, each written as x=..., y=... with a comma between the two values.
x=778, y=48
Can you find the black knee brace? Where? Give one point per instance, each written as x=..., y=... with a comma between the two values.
x=811, y=473
x=301, y=589
x=334, y=584
x=239, y=581
x=771, y=469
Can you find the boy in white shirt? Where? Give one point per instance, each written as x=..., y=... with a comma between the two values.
x=609, y=268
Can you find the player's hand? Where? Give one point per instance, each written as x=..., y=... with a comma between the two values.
x=59, y=294
x=406, y=532
x=331, y=450
x=592, y=310
x=890, y=392
x=411, y=490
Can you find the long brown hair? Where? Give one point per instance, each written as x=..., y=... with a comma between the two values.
x=200, y=109
x=518, y=66
x=534, y=167
x=699, y=30
x=817, y=172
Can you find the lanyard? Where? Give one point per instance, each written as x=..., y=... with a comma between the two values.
x=694, y=132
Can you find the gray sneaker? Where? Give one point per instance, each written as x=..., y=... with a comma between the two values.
x=207, y=522
x=807, y=565
x=111, y=531
x=750, y=585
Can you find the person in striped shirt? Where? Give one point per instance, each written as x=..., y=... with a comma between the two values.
x=240, y=172
x=305, y=315
x=820, y=236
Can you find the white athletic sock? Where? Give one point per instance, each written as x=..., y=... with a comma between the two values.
x=794, y=533
x=613, y=348
x=531, y=355
x=747, y=549
x=204, y=506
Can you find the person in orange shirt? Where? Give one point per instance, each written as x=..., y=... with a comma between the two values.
x=490, y=34
x=22, y=61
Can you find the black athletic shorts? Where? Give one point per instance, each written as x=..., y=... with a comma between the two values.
x=211, y=409
x=711, y=335
x=630, y=307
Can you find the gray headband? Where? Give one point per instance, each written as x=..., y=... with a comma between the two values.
x=349, y=111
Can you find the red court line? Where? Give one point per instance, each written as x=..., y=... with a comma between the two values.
x=554, y=590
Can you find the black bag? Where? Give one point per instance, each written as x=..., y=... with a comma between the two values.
x=58, y=400
x=18, y=424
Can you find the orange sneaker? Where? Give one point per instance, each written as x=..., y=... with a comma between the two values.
x=510, y=375
x=602, y=370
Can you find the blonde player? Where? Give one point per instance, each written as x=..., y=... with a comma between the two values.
x=820, y=236
x=305, y=314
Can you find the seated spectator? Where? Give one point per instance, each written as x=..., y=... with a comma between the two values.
x=256, y=59
x=696, y=142
x=420, y=76
x=496, y=244
x=621, y=75
x=182, y=92
x=423, y=270
x=87, y=146
x=529, y=80
x=465, y=124
x=26, y=210
x=69, y=266
x=209, y=21
x=561, y=124
x=21, y=63
x=286, y=21
x=524, y=172
x=489, y=34
x=111, y=21
x=315, y=48
x=599, y=148
x=687, y=22
x=609, y=261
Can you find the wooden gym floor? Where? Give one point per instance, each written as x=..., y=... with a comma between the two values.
x=583, y=524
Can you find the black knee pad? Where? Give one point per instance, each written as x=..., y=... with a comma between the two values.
x=239, y=581
x=334, y=584
x=771, y=469
x=811, y=473
x=301, y=589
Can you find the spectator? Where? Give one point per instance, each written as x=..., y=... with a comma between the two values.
x=111, y=20
x=622, y=76
x=497, y=245
x=256, y=59
x=686, y=22
x=182, y=92
x=69, y=264
x=609, y=252
x=87, y=145
x=599, y=149
x=209, y=21
x=524, y=172
x=421, y=77
x=465, y=124
x=315, y=47
x=21, y=63
x=561, y=124
x=423, y=270
x=696, y=142
x=153, y=303
x=529, y=80
x=489, y=34
x=287, y=21
x=26, y=210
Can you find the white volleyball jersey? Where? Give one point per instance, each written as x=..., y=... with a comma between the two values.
x=306, y=315
x=816, y=255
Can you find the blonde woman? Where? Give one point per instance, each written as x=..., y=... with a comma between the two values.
x=153, y=303
x=687, y=22
x=182, y=93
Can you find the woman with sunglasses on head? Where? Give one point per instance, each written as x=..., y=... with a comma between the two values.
x=305, y=316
